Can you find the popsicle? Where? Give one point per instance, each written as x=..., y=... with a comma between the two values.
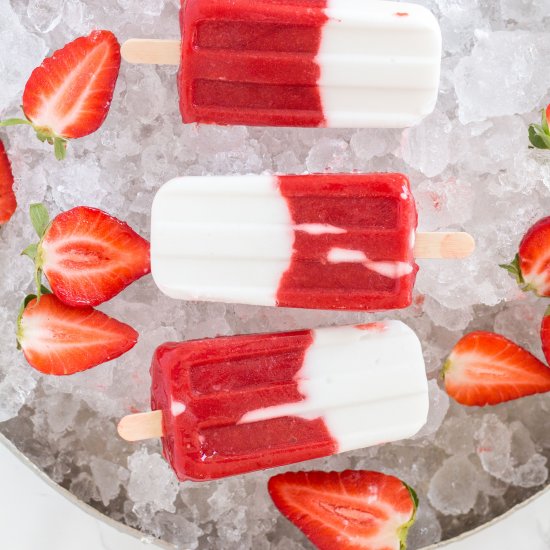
x=344, y=241
x=231, y=405
x=335, y=63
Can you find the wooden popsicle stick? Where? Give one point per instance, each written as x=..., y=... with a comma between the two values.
x=137, y=427
x=152, y=52
x=443, y=245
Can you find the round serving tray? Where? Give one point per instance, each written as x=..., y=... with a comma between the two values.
x=38, y=513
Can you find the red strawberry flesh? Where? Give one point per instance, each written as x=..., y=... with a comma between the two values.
x=486, y=369
x=545, y=335
x=352, y=510
x=534, y=258
x=8, y=203
x=58, y=339
x=69, y=95
x=89, y=256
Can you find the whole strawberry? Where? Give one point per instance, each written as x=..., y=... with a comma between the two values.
x=8, y=203
x=87, y=256
x=531, y=266
x=69, y=95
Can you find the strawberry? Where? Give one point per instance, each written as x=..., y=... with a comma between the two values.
x=349, y=510
x=69, y=95
x=531, y=266
x=58, y=339
x=545, y=335
x=539, y=135
x=87, y=255
x=485, y=369
x=8, y=204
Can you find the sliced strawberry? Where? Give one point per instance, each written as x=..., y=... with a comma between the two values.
x=87, y=255
x=349, y=510
x=69, y=95
x=545, y=335
x=485, y=369
x=8, y=204
x=531, y=266
x=58, y=339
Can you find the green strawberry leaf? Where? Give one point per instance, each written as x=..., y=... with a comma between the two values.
x=30, y=251
x=535, y=138
x=40, y=218
x=60, y=148
x=515, y=270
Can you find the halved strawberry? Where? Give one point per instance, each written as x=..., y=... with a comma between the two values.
x=349, y=510
x=539, y=135
x=58, y=339
x=545, y=335
x=486, y=368
x=87, y=255
x=8, y=204
x=69, y=95
x=531, y=266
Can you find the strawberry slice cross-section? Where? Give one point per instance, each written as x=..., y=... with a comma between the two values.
x=58, y=339
x=350, y=510
x=486, y=369
x=8, y=203
x=70, y=94
x=87, y=255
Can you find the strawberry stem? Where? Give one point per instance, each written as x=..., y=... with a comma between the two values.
x=14, y=122
x=40, y=221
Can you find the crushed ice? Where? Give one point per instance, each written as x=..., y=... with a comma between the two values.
x=470, y=170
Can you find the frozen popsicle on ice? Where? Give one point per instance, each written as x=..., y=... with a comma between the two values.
x=316, y=241
x=232, y=405
x=335, y=63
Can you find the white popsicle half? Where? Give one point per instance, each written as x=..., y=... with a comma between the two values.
x=380, y=64
x=368, y=384
x=220, y=239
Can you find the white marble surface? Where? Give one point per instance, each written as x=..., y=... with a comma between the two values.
x=37, y=514
x=525, y=527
